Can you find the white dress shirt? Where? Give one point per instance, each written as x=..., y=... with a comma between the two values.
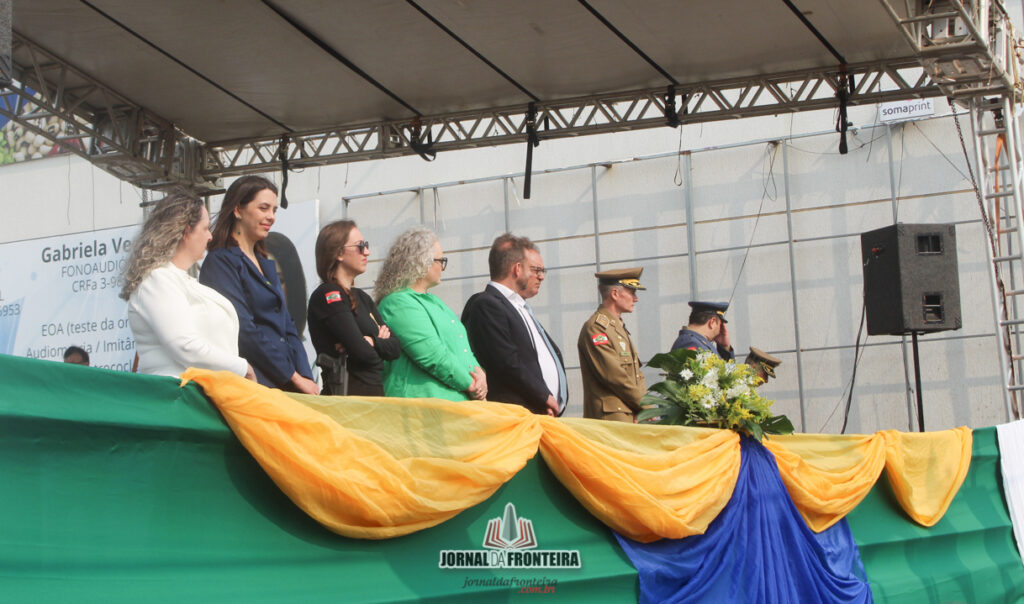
x=180, y=323
x=548, y=369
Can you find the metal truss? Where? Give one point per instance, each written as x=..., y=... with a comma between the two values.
x=967, y=48
x=136, y=145
x=651, y=108
x=79, y=114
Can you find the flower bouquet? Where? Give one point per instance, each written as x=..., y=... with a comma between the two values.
x=701, y=389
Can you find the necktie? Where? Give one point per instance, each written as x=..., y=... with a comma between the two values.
x=562, y=386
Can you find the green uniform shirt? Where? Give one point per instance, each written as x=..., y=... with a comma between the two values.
x=612, y=381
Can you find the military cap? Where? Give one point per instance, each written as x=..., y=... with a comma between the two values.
x=628, y=277
x=765, y=361
x=718, y=308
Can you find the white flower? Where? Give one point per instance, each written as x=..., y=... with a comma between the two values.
x=710, y=379
x=686, y=374
x=736, y=391
x=730, y=367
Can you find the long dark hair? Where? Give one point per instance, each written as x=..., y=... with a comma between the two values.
x=239, y=194
x=330, y=244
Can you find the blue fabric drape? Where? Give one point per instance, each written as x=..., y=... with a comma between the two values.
x=759, y=549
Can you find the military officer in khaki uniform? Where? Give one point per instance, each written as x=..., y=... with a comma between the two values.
x=762, y=363
x=612, y=382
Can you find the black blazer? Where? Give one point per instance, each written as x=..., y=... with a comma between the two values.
x=332, y=321
x=505, y=349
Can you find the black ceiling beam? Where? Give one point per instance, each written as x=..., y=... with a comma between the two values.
x=475, y=52
x=628, y=42
x=145, y=41
x=814, y=30
x=339, y=57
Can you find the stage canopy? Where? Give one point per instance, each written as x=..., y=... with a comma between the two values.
x=186, y=92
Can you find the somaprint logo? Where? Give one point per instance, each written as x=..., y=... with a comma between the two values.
x=510, y=542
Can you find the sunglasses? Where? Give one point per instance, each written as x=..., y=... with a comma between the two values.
x=363, y=246
x=443, y=260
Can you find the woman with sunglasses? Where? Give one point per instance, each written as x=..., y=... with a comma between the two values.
x=343, y=318
x=436, y=360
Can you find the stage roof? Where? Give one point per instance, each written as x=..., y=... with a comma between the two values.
x=352, y=80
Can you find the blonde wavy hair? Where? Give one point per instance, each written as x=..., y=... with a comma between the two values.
x=171, y=217
x=408, y=259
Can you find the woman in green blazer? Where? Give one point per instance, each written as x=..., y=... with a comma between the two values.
x=436, y=360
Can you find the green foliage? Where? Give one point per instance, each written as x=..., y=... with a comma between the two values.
x=701, y=389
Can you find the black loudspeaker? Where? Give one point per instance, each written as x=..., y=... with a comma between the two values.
x=911, y=282
x=5, y=43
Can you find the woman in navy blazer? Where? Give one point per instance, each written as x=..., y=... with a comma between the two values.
x=237, y=266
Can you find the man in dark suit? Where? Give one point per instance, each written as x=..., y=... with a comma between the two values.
x=523, y=364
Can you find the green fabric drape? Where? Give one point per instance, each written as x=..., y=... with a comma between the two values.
x=127, y=488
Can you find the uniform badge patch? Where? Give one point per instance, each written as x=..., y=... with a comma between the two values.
x=333, y=297
x=599, y=339
x=601, y=320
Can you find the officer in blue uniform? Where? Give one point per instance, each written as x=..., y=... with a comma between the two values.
x=706, y=330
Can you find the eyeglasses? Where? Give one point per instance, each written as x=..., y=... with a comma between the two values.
x=443, y=260
x=540, y=270
x=362, y=245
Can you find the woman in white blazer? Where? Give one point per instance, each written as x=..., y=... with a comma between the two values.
x=177, y=322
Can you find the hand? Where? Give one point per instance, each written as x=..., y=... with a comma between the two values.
x=723, y=337
x=478, y=389
x=369, y=340
x=384, y=333
x=250, y=374
x=304, y=384
x=552, y=406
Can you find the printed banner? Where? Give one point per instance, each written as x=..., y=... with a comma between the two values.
x=62, y=291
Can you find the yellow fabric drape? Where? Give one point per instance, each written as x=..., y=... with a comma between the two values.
x=375, y=468
x=926, y=470
x=827, y=476
x=432, y=459
x=646, y=482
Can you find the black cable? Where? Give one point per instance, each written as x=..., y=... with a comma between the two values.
x=282, y=154
x=185, y=66
x=847, y=85
x=339, y=57
x=532, y=140
x=856, y=361
x=628, y=42
x=771, y=151
x=477, y=54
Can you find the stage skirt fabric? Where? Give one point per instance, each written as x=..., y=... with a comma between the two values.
x=125, y=488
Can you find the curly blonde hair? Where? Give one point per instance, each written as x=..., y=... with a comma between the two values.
x=408, y=259
x=171, y=217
